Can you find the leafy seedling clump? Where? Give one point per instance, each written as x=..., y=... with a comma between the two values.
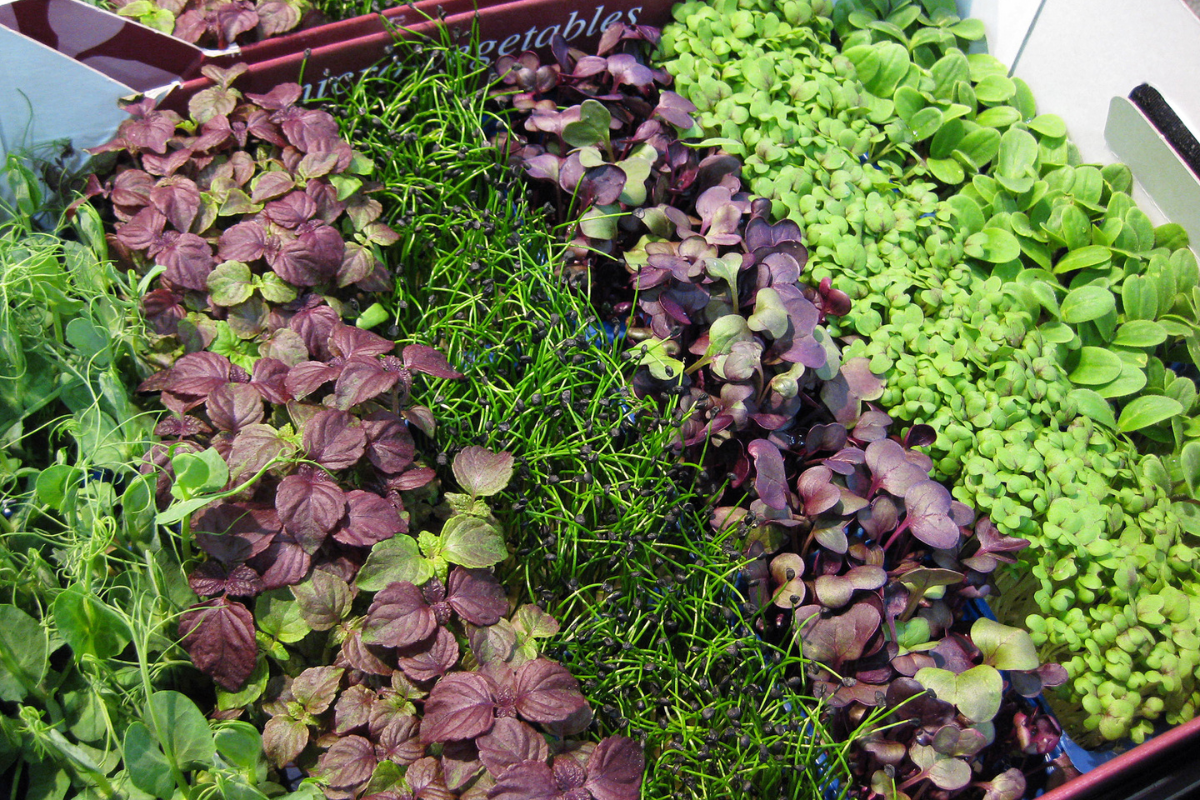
x=246, y=213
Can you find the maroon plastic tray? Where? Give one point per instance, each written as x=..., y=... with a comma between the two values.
x=343, y=49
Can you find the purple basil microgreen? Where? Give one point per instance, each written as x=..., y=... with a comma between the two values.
x=430, y=659
x=240, y=204
x=464, y=705
x=612, y=771
x=211, y=579
x=310, y=505
x=425, y=359
x=348, y=763
x=334, y=439
x=403, y=615
x=218, y=635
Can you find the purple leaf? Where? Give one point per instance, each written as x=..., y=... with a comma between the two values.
x=188, y=260
x=546, y=692
x=769, y=481
x=880, y=518
x=920, y=436
x=348, y=341
x=836, y=639
x=818, y=493
x=371, y=519
x=891, y=469
x=310, y=506
x=390, y=446
x=544, y=167
x=872, y=426
x=365, y=658
x=194, y=375
x=422, y=358
x=270, y=185
x=762, y=238
x=312, y=258
x=413, y=478
x=357, y=263
x=286, y=563
x=245, y=242
x=836, y=591
x=510, y=742
x=993, y=547
x=460, y=706
x=675, y=109
x=422, y=417
x=348, y=762
x=218, y=635
x=132, y=187
x=460, y=763
x=211, y=579
x=787, y=571
x=333, y=440
x=928, y=507
x=625, y=69
x=315, y=324
x=308, y=376
x=149, y=129
x=180, y=427
x=284, y=738
x=276, y=17
x=399, y=617
x=362, y=378
x=362, y=210
x=399, y=742
x=477, y=596
x=353, y=710
x=530, y=780
x=291, y=211
x=429, y=660
x=163, y=309
x=143, y=231
x=308, y=130
x=282, y=96
x=178, y=198
x=166, y=166
x=426, y=781
x=269, y=380
x=233, y=19
x=1008, y=785
x=235, y=532
x=614, y=769
x=234, y=406
x=601, y=185
x=286, y=347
